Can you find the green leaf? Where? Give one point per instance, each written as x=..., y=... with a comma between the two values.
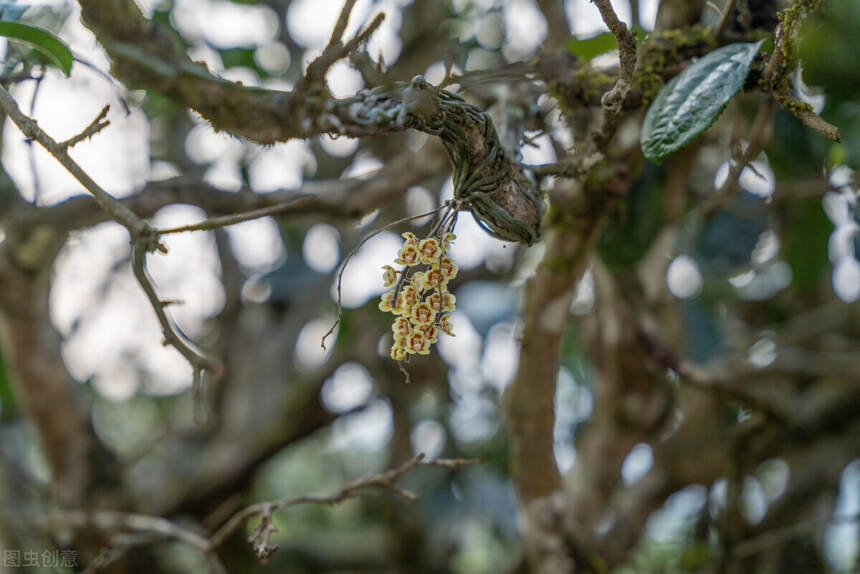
x=591, y=47
x=694, y=99
x=54, y=48
x=596, y=45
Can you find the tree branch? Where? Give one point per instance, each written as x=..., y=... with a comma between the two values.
x=106, y=201
x=97, y=125
x=143, y=238
x=164, y=529
x=613, y=100
x=386, y=480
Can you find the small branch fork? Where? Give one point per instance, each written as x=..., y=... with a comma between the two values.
x=95, y=127
x=702, y=379
x=144, y=238
x=162, y=529
x=336, y=49
x=781, y=63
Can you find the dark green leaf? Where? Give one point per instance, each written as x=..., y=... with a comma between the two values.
x=694, y=99
x=54, y=48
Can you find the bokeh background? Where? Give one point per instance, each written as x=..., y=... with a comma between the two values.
x=780, y=258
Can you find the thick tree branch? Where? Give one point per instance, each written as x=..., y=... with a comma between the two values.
x=341, y=198
x=574, y=223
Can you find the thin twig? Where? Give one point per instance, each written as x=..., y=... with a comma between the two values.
x=385, y=480
x=31, y=150
x=697, y=377
x=108, y=520
x=143, y=238
x=28, y=126
x=342, y=22
x=297, y=203
x=807, y=115
x=163, y=529
x=335, y=49
x=572, y=168
x=787, y=533
x=172, y=335
x=725, y=19
x=760, y=135
x=118, y=91
x=349, y=256
x=97, y=125
x=613, y=100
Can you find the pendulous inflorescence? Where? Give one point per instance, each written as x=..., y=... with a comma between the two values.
x=420, y=299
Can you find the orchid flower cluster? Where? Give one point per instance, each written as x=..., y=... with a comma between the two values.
x=420, y=299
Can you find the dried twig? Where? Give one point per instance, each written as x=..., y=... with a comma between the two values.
x=28, y=126
x=296, y=204
x=386, y=480
x=760, y=135
x=349, y=256
x=172, y=336
x=783, y=61
x=159, y=529
x=97, y=125
x=699, y=378
x=613, y=100
x=810, y=119
x=336, y=49
x=143, y=238
x=121, y=523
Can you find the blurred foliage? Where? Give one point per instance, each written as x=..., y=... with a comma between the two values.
x=637, y=222
x=827, y=62
x=589, y=48
x=466, y=522
x=7, y=396
x=805, y=236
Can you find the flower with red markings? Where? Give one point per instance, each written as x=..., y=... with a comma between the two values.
x=435, y=278
x=410, y=296
x=389, y=276
x=429, y=250
x=435, y=301
x=421, y=294
x=385, y=302
x=401, y=328
x=409, y=256
x=419, y=282
x=445, y=325
x=448, y=267
x=417, y=343
x=398, y=351
x=423, y=314
x=430, y=331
